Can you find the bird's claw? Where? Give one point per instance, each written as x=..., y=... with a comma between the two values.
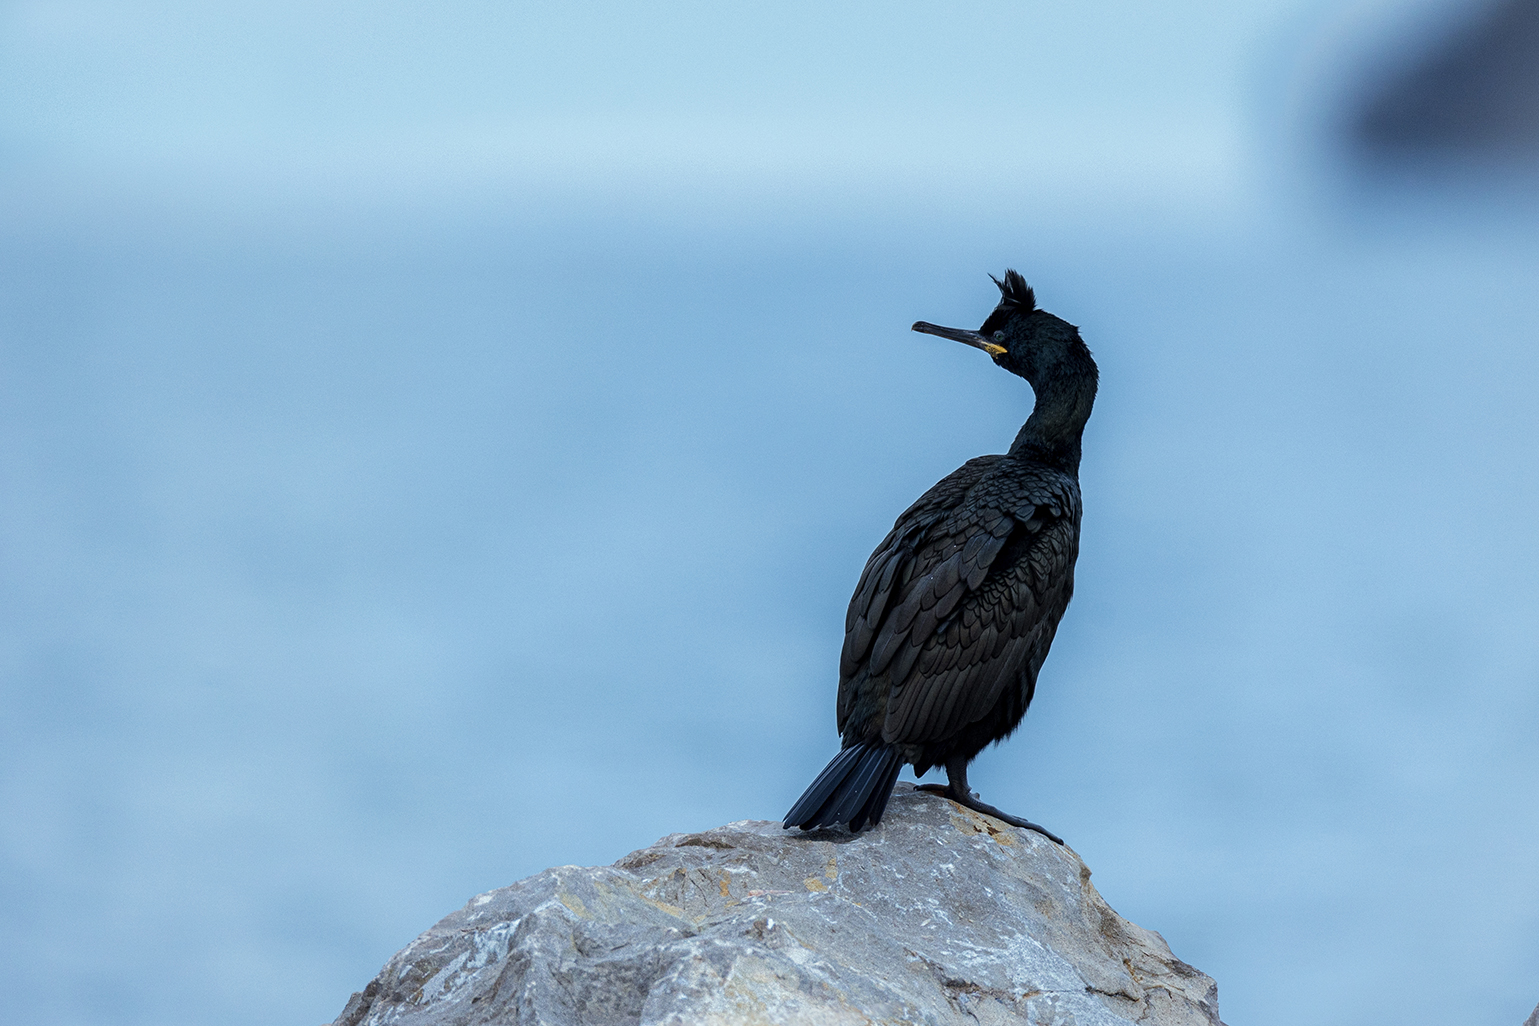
x=1024, y=823
x=971, y=801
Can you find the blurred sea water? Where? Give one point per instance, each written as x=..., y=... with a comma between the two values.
x=371, y=544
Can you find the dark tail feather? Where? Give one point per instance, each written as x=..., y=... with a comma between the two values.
x=852, y=789
x=854, y=794
x=878, y=803
x=813, y=799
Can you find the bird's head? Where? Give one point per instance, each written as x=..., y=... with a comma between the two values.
x=1021, y=338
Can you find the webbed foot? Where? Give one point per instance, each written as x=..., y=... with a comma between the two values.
x=969, y=800
x=989, y=810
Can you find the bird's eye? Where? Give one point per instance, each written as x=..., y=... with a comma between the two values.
x=999, y=336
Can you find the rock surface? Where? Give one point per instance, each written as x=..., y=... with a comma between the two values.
x=939, y=915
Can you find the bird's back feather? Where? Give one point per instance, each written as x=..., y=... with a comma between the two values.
x=958, y=602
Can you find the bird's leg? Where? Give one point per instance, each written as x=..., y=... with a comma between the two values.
x=957, y=790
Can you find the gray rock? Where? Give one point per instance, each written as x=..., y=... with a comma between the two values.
x=1533, y=1017
x=939, y=915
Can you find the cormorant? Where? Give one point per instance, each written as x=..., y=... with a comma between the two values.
x=958, y=605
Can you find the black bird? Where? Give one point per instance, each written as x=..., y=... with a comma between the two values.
x=957, y=607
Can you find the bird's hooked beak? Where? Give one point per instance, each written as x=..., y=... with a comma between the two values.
x=971, y=338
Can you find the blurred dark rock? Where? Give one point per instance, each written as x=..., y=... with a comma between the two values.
x=1474, y=95
x=938, y=916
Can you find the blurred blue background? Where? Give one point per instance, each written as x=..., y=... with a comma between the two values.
x=439, y=441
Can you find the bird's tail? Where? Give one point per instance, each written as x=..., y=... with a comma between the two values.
x=852, y=789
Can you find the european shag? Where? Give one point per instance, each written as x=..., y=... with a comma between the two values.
x=958, y=605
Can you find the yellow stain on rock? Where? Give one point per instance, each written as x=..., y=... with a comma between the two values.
x=672, y=910
x=724, y=892
x=755, y=994
x=574, y=903
x=831, y=871
x=812, y=883
x=970, y=822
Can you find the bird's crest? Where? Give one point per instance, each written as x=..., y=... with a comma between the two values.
x=1014, y=292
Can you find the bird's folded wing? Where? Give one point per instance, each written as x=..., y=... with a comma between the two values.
x=904, y=554
x=952, y=664
x=935, y=560
x=933, y=582
x=959, y=674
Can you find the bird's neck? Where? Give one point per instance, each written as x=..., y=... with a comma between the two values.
x=1057, y=423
